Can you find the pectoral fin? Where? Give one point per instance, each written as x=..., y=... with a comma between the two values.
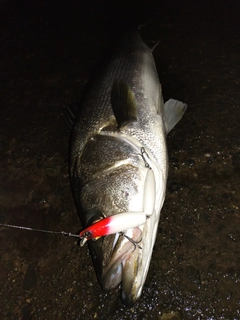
x=173, y=112
x=123, y=103
x=69, y=113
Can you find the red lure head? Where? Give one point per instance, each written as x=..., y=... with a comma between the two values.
x=98, y=229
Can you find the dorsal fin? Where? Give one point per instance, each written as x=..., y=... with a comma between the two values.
x=123, y=103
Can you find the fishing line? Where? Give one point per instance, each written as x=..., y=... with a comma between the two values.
x=83, y=240
x=40, y=230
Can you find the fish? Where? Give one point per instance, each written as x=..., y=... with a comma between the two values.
x=119, y=163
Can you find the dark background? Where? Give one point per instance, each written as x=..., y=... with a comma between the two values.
x=48, y=50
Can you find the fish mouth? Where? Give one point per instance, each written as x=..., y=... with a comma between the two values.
x=117, y=260
x=123, y=266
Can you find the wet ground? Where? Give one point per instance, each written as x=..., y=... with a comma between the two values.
x=47, y=53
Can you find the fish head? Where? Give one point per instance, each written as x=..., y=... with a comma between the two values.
x=118, y=187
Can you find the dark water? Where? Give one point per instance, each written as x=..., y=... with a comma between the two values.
x=47, y=52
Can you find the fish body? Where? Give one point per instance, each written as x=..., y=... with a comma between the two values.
x=119, y=162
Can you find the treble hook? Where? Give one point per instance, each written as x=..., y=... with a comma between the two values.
x=135, y=243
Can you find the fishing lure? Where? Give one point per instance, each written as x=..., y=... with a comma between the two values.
x=110, y=225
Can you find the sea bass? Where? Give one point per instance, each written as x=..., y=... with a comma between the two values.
x=119, y=163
